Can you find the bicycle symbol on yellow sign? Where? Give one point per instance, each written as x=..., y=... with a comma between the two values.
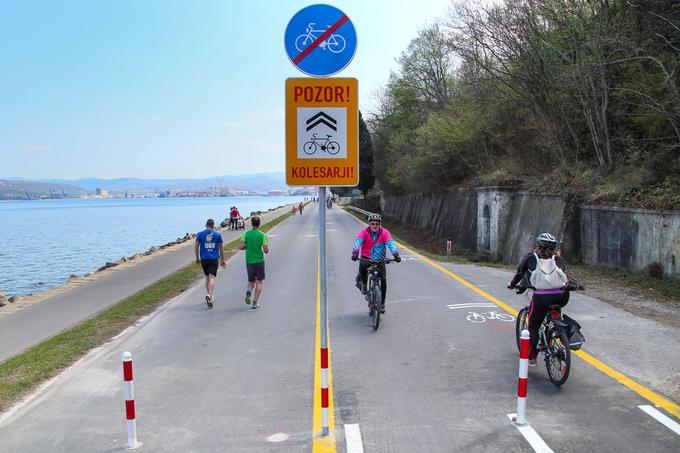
x=334, y=43
x=328, y=146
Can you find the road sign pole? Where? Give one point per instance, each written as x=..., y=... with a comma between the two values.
x=323, y=314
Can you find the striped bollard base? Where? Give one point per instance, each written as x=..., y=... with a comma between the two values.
x=130, y=401
x=523, y=378
x=324, y=392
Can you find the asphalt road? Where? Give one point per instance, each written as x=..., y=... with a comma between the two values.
x=428, y=380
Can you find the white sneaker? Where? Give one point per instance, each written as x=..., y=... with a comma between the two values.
x=209, y=301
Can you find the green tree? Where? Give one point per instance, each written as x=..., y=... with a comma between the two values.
x=366, y=177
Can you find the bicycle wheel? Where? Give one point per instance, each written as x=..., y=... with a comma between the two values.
x=558, y=359
x=309, y=148
x=475, y=317
x=503, y=317
x=521, y=323
x=301, y=42
x=333, y=148
x=336, y=43
x=375, y=302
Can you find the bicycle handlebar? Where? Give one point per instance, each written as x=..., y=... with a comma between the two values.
x=384, y=260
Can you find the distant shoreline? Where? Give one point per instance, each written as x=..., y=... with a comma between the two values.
x=98, y=197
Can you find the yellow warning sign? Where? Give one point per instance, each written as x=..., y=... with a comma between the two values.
x=322, y=132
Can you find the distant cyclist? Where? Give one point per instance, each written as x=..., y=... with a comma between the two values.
x=543, y=271
x=301, y=206
x=233, y=218
x=372, y=243
x=208, y=250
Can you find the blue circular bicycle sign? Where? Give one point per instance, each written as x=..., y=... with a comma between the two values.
x=320, y=40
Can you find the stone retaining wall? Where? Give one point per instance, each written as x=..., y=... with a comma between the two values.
x=501, y=224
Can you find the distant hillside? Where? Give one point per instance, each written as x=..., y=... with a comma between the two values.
x=256, y=182
x=31, y=190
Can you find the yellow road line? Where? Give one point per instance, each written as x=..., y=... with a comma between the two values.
x=320, y=444
x=638, y=388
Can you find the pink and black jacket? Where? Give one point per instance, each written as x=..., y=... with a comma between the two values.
x=374, y=246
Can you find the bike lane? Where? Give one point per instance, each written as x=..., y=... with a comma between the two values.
x=431, y=380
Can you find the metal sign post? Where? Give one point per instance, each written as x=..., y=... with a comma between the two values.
x=322, y=130
x=323, y=314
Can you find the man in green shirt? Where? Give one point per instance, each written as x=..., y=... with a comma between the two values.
x=254, y=242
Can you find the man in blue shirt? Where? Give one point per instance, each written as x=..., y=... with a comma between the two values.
x=208, y=249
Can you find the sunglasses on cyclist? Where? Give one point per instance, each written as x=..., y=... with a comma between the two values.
x=375, y=223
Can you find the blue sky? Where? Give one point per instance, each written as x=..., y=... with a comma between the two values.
x=165, y=89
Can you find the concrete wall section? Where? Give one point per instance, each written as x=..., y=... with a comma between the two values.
x=493, y=216
x=531, y=215
x=631, y=239
x=502, y=224
x=449, y=216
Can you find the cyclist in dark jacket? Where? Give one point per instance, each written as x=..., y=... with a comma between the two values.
x=546, y=245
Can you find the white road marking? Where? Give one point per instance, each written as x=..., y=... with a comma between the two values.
x=482, y=317
x=272, y=235
x=663, y=419
x=278, y=437
x=353, y=439
x=310, y=235
x=470, y=305
x=531, y=436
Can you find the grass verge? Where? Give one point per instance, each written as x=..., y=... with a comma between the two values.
x=24, y=372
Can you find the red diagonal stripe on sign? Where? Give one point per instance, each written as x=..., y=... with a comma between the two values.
x=320, y=39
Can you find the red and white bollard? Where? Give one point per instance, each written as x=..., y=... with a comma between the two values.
x=324, y=392
x=129, y=401
x=521, y=417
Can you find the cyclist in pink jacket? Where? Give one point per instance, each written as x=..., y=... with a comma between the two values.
x=372, y=243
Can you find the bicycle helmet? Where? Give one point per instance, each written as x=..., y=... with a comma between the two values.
x=546, y=240
x=374, y=218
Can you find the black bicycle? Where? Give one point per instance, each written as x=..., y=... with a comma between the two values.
x=557, y=336
x=373, y=291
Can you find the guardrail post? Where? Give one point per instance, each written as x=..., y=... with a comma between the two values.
x=449, y=246
x=129, y=401
x=523, y=378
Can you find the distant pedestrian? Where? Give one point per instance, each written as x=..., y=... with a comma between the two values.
x=256, y=244
x=301, y=207
x=294, y=210
x=209, y=249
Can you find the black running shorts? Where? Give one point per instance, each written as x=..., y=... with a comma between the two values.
x=209, y=267
x=255, y=271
